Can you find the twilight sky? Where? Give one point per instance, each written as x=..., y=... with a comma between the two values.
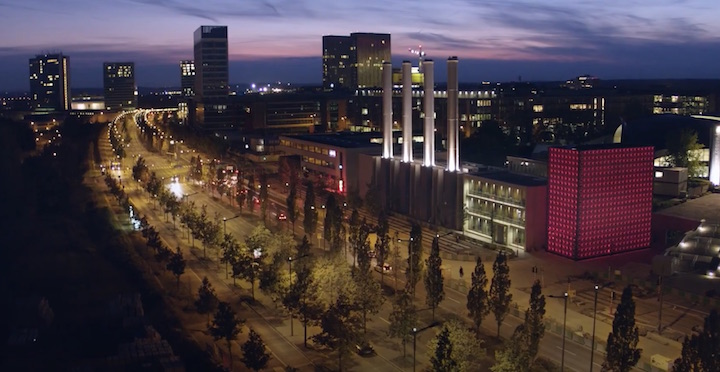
x=496, y=40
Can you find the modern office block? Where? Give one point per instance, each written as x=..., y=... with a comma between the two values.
x=119, y=86
x=49, y=82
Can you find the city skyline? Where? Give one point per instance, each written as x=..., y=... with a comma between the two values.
x=282, y=40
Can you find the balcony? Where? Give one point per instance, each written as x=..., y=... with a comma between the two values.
x=486, y=213
x=497, y=198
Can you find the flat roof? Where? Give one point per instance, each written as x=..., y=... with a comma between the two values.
x=600, y=146
x=348, y=140
x=510, y=177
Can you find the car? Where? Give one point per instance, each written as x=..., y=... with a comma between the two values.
x=282, y=216
x=364, y=349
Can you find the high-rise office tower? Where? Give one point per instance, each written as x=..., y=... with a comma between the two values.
x=211, y=77
x=49, y=82
x=119, y=85
x=187, y=78
x=367, y=54
x=336, y=62
x=354, y=61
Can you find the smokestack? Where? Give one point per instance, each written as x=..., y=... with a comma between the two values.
x=429, y=106
x=387, y=111
x=453, y=141
x=407, y=111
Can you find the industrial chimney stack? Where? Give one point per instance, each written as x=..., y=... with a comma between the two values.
x=429, y=105
x=453, y=141
x=387, y=111
x=407, y=111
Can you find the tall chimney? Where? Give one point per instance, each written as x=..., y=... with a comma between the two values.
x=453, y=141
x=429, y=106
x=387, y=111
x=407, y=111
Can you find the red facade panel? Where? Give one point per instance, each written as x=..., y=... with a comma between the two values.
x=599, y=200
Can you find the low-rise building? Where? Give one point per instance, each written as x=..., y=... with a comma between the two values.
x=506, y=209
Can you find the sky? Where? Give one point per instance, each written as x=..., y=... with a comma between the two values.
x=281, y=40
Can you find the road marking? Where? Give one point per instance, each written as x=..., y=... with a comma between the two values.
x=452, y=299
x=384, y=320
x=566, y=351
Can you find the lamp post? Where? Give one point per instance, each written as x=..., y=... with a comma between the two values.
x=415, y=331
x=225, y=220
x=562, y=357
x=592, y=342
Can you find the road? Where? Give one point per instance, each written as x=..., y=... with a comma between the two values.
x=289, y=348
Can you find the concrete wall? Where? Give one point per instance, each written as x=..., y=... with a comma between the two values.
x=536, y=218
x=427, y=194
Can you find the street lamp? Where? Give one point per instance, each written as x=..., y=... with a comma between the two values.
x=562, y=358
x=592, y=342
x=225, y=220
x=415, y=331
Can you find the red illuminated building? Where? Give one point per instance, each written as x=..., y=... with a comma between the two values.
x=599, y=200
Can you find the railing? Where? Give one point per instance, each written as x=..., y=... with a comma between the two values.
x=499, y=198
x=497, y=217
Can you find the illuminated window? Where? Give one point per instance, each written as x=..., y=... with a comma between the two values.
x=658, y=174
x=537, y=108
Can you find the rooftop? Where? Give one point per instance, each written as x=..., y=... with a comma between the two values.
x=348, y=140
x=510, y=177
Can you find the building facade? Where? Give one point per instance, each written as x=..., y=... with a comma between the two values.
x=187, y=78
x=506, y=209
x=119, y=86
x=599, y=200
x=332, y=159
x=355, y=61
x=336, y=62
x=50, y=83
x=211, y=78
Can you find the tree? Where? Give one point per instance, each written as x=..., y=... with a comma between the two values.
x=207, y=299
x=264, y=200
x=466, y=348
x=225, y=326
x=477, y=298
x=382, y=243
x=330, y=209
x=177, y=265
x=340, y=327
x=240, y=198
x=414, y=261
x=230, y=250
x=434, y=277
x=302, y=299
x=514, y=356
x=700, y=351
x=354, y=233
x=683, y=150
x=309, y=211
x=402, y=318
x=534, y=320
x=442, y=358
x=290, y=203
x=500, y=296
x=368, y=293
x=251, y=194
x=248, y=268
x=255, y=356
x=622, y=353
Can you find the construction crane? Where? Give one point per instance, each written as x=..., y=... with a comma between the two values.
x=421, y=55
